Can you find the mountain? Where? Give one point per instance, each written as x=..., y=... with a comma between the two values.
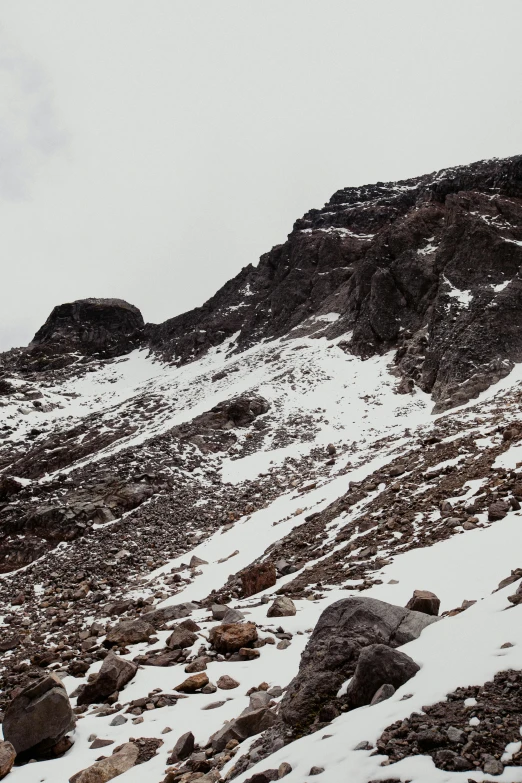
x=261, y=515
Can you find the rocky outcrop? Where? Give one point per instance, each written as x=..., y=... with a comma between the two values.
x=38, y=719
x=107, y=327
x=344, y=629
x=428, y=266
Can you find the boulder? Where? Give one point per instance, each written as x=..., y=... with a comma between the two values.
x=227, y=683
x=231, y=637
x=114, y=675
x=344, y=629
x=282, y=607
x=232, y=616
x=498, y=510
x=218, y=611
x=167, y=613
x=424, y=601
x=181, y=638
x=247, y=725
x=7, y=758
x=193, y=684
x=39, y=717
x=258, y=577
x=183, y=748
x=107, y=769
x=378, y=665
x=383, y=693
x=129, y=632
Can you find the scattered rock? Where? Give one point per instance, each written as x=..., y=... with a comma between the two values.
x=7, y=758
x=231, y=637
x=282, y=607
x=424, y=601
x=129, y=632
x=113, y=676
x=192, y=684
x=258, y=577
x=107, y=769
x=227, y=683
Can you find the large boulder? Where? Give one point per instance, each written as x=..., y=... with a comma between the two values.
x=129, y=632
x=248, y=724
x=231, y=637
x=379, y=665
x=114, y=675
x=39, y=717
x=424, y=601
x=107, y=769
x=258, y=577
x=344, y=629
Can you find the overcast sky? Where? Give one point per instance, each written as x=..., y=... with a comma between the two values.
x=149, y=149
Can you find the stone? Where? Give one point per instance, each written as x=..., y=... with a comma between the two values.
x=377, y=665
x=498, y=510
x=284, y=769
x=232, y=616
x=282, y=607
x=330, y=657
x=181, y=638
x=218, y=611
x=258, y=577
x=316, y=770
x=39, y=717
x=381, y=694
x=231, y=637
x=424, y=601
x=492, y=766
x=114, y=674
x=241, y=728
x=100, y=743
x=129, y=632
x=192, y=684
x=197, y=561
x=227, y=683
x=118, y=720
x=167, y=613
x=454, y=734
x=109, y=768
x=248, y=653
x=198, y=664
x=267, y=776
x=7, y=758
x=183, y=748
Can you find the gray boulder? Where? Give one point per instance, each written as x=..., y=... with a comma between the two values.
x=129, y=632
x=167, y=613
x=330, y=657
x=181, y=638
x=378, y=665
x=110, y=767
x=248, y=724
x=282, y=607
x=39, y=717
x=114, y=674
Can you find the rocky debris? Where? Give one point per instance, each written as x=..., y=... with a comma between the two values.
x=7, y=758
x=161, y=616
x=258, y=577
x=424, y=601
x=498, y=510
x=114, y=674
x=246, y=725
x=129, y=632
x=282, y=607
x=232, y=637
x=232, y=616
x=193, y=684
x=344, y=629
x=38, y=719
x=121, y=760
x=378, y=665
x=444, y=730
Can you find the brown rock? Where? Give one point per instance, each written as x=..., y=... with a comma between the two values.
x=424, y=601
x=7, y=758
x=181, y=638
x=258, y=577
x=183, y=748
x=227, y=683
x=109, y=768
x=498, y=510
x=282, y=607
x=231, y=637
x=129, y=632
x=192, y=684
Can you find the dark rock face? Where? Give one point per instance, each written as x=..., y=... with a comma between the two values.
x=114, y=674
x=108, y=327
x=39, y=717
x=344, y=629
x=379, y=665
x=429, y=266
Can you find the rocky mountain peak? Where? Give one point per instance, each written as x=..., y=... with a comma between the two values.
x=104, y=326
